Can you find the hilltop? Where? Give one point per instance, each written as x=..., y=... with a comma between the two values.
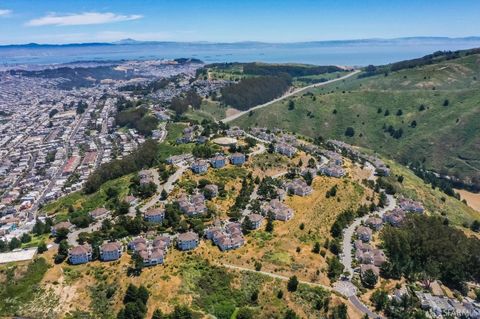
x=426, y=115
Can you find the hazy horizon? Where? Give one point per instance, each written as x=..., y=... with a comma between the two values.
x=56, y=22
x=135, y=41
x=351, y=53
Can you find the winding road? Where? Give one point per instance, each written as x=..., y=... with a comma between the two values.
x=287, y=95
x=346, y=287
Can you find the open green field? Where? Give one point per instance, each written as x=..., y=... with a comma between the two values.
x=437, y=106
x=302, y=81
x=209, y=110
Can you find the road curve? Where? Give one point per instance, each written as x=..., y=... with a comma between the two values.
x=235, y=116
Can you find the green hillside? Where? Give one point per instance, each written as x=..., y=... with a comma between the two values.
x=433, y=111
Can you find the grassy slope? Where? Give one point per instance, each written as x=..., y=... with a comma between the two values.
x=190, y=278
x=446, y=137
x=79, y=200
x=434, y=200
x=21, y=289
x=210, y=110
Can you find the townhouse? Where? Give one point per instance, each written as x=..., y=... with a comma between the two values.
x=187, y=241
x=279, y=210
x=80, y=254
x=110, y=251
x=237, y=158
x=298, y=187
x=154, y=215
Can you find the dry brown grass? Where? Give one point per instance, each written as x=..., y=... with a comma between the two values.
x=267, y=164
x=473, y=199
x=278, y=252
x=317, y=212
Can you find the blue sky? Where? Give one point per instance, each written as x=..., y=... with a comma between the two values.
x=48, y=21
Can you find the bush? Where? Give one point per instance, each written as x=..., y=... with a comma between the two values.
x=369, y=279
x=245, y=313
x=350, y=131
x=335, y=268
x=42, y=247
x=292, y=284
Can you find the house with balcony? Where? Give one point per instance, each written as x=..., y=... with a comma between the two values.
x=237, y=158
x=154, y=215
x=199, y=166
x=80, y=254
x=218, y=161
x=110, y=251
x=187, y=241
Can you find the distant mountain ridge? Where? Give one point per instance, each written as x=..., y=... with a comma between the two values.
x=129, y=41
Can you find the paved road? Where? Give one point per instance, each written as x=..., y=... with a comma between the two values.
x=154, y=199
x=73, y=235
x=170, y=183
x=346, y=287
x=360, y=306
x=34, y=209
x=287, y=95
x=347, y=257
x=167, y=186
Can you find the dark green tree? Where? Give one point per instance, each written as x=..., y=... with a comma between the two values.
x=42, y=247
x=292, y=284
x=350, y=131
x=369, y=279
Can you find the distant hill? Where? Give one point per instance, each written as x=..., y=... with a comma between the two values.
x=129, y=41
x=424, y=115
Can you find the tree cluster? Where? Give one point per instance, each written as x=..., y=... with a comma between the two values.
x=342, y=221
x=143, y=191
x=255, y=91
x=134, y=303
x=425, y=248
x=146, y=88
x=290, y=69
x=436, y=57
x=139, y=119
x=180, y=104
x=143, y=157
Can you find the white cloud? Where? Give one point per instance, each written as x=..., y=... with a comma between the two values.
x=84, y=18
x=5, y=12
